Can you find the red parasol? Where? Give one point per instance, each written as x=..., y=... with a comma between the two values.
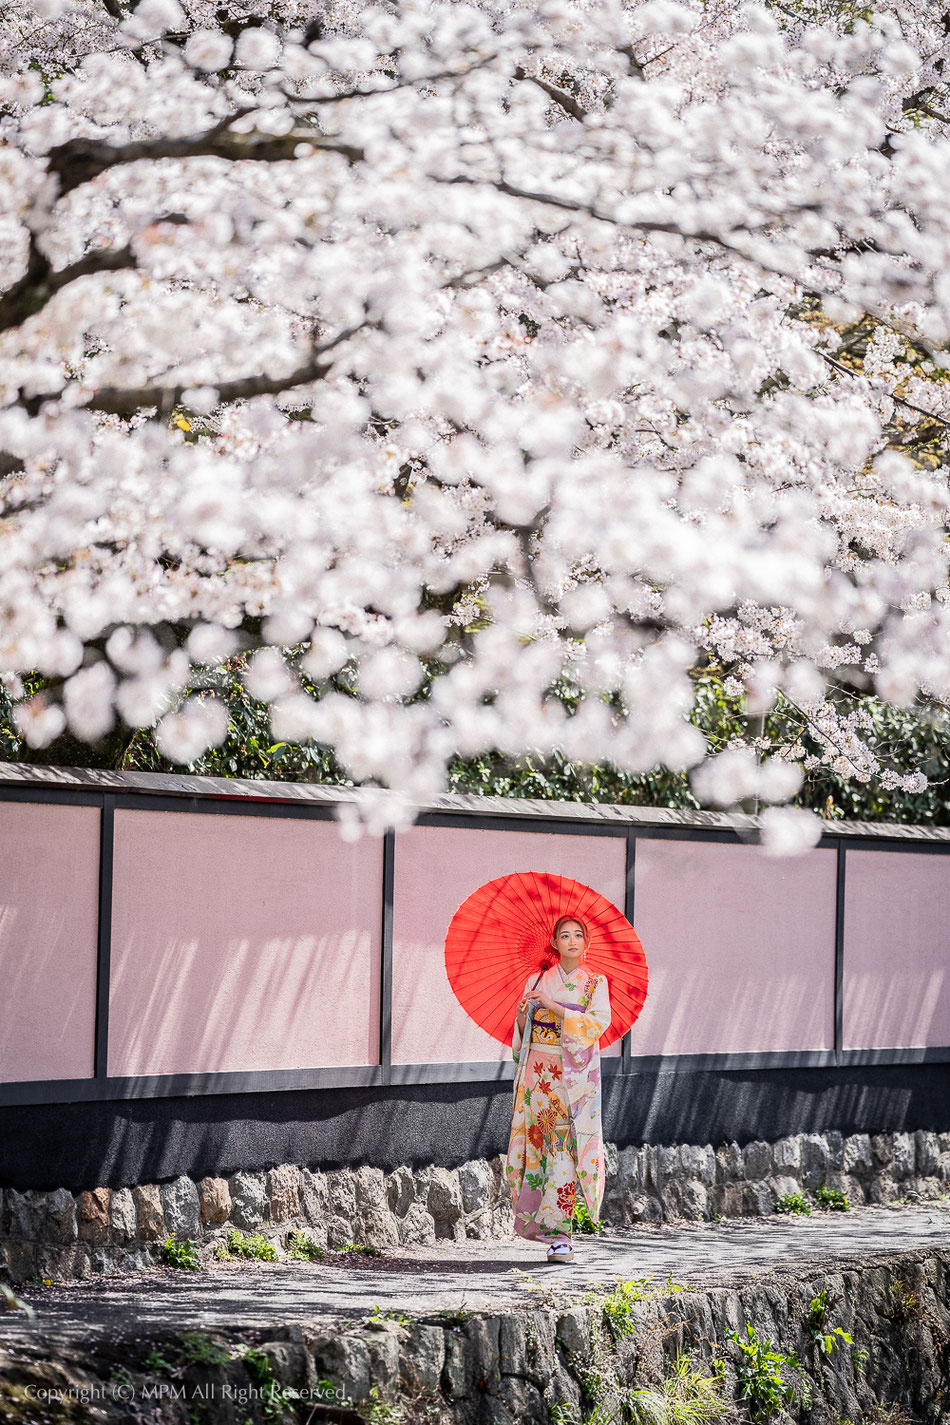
x=502, y=934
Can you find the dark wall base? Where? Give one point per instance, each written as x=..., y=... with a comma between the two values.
x=119, y=1144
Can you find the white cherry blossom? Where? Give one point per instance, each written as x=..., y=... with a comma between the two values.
x=591, y=339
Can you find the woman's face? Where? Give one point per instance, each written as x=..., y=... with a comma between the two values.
x=569, y=941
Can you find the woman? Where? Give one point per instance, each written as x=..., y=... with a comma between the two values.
x=556, y=1142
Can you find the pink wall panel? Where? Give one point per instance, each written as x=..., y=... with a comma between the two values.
x=436, y=868
x=740, y=947
x=242, y=942
x=49, y=893
x=896, y=950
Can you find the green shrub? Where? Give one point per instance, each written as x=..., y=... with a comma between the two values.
x=759, y=1371
x=255, y=1248
x=276, y=1399
x=196, y=1347
x=833, y=1198
x=302, y=1248
x=794, y=1203
x=582, y=1220
x=183, y=1255
x=824, y=1340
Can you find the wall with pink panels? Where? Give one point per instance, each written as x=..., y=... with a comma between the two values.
x=896, y=950
x=741, y=948
x=436, y=868
x=242, y=942
x=49, y=892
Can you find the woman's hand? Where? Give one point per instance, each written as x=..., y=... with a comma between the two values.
x=522, y=1014
x=550, y=1004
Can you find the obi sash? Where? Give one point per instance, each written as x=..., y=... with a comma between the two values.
x=545, y=1031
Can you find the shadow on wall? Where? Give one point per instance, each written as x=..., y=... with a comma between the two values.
x=119, y=1144
x=242, y=943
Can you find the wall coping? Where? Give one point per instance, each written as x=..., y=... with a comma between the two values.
x=16, y=774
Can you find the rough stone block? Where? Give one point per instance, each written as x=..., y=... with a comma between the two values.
x=341, y=1191
x=24, y=1213
x=378, y=1227
x=664, y=1165
x=401, y=1191
x=615, y=1208
x=815, y=1160
x=421, y=1358
x=444, y=1200
x=573, y=1331
x=782, y=1185
x=314, y=1196
x=725, y=1200
x=417, y=1226
x=382, y=1343
x=629, y=1177
x=698, y=1162
x=645, y=1207
x=148, y=1210
x=370, y=1186
x=476, y=1183
x=513, y=1347
x=93, y=1215
x=905, y=1151
x=454, y=1379
x=248, y=1200
x=930, y=1187
x=122, y=1215
x=756, y=1199
x=62, y=1226
x=283, y=1195
x=835, y=1145
x=882, y=1188
x=857, y=1154
x=19, y=1258
x=55, y=1263
x=339, y=1231
x=345, y=1361
x=943, y=1167
x=787, y=1155
x=214, y=1200
x=927, y=1152
x=180, y=1201
x=728, y=1163
x=882, y=1149
x=692, y=1200
x=756, y=1160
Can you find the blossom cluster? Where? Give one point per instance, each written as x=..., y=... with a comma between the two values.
x=501, y=341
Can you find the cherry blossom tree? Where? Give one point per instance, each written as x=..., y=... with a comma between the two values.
x=456, y=351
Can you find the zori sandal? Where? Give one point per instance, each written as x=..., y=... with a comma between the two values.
x=561, y=1252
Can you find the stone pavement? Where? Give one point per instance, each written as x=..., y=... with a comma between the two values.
x=453, y=1276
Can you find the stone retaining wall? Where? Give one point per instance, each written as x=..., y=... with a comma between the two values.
x=561, y=1358
x=60, y=1235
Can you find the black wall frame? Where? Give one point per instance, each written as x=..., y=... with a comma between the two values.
x=101, y=1087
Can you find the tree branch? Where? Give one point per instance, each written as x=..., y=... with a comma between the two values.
x=79, y=161
x=560, y=96
x=125, y=401
x=41, y=282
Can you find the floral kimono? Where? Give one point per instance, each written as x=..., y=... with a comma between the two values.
x=556, y=1141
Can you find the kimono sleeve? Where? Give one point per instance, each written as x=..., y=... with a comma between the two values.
x=585, y=1026
x=516, y=1033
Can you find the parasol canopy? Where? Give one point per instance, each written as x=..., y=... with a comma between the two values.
x=502, y=934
